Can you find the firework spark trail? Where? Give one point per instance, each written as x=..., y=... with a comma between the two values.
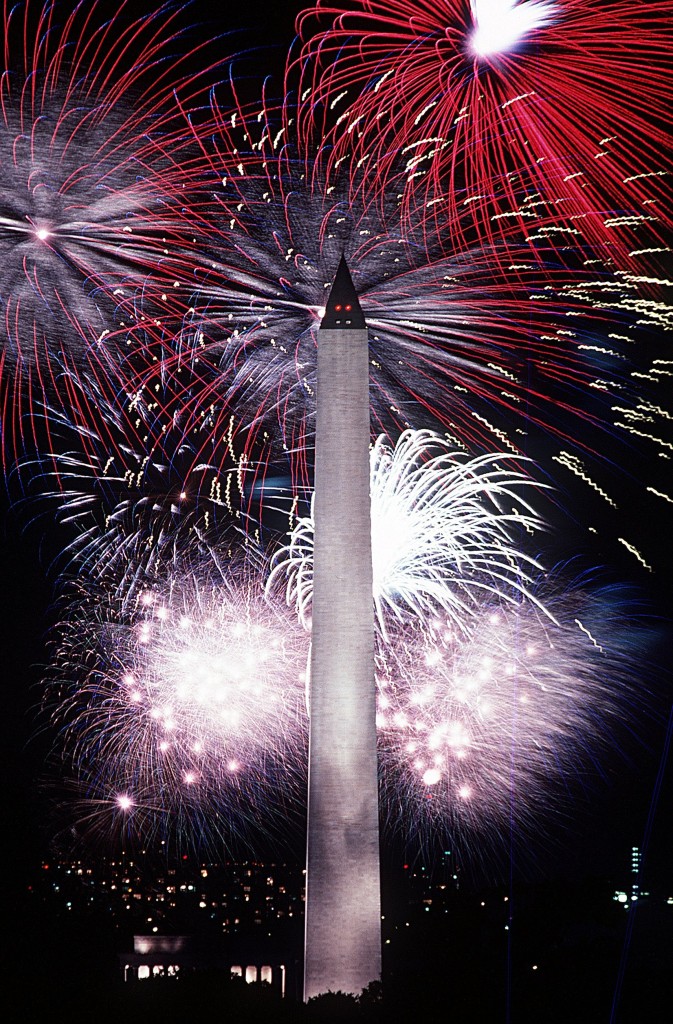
x=443, y=529
x=188, y=692
x=97, y=222
x=450, y=342
x=646, y=421
x=130, y=477
x=472, y=732
x=562, y=120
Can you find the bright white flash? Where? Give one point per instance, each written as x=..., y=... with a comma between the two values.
x=443, y=533
x=500, y=24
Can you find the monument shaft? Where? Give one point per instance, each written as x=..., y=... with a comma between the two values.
x=343, y=904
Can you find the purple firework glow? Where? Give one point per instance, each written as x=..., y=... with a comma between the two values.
x=181, y=707
x=187, y=692
x=476, y=737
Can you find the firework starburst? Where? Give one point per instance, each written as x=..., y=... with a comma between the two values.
x=478, y=737
x=187, y=691
x=452, y=341
x=97, y=225
x=509, y=109
x=443, y=529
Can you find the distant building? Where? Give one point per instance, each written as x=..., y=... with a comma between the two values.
x=633, y=892
x=169, y=956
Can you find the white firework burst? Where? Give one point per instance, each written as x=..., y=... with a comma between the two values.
x=479, y=736
x=187, y=692
x=500, y=24
x=443, y=533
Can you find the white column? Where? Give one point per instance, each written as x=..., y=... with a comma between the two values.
x=343, y=904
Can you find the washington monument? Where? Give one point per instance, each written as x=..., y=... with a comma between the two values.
x=343, y=902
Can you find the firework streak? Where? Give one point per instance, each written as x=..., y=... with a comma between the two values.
x=443, y=529
x=509, y=110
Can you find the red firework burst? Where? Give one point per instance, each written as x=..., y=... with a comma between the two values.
x=507, y=108
x=96, y=222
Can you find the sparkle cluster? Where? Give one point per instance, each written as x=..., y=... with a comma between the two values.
x=190, y=692
x=478, y=735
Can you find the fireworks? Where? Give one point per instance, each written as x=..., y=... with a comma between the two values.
x=96, y=230
x=130, y=477
x=497, y=684
x=483, y=165
x=515, y=110
x=450, y=342
x=188, y=690
x=477, y=736
x=442, y=535
x=182, y=704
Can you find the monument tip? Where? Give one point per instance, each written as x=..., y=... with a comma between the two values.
x=343, y=311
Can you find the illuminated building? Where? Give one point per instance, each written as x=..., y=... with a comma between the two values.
x=168, y=956
x=635, y=890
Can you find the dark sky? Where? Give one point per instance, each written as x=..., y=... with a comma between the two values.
x=602, y=827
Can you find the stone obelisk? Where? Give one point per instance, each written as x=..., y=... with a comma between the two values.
x=343, y=902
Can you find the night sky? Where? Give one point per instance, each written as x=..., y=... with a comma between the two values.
x=605, y=815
